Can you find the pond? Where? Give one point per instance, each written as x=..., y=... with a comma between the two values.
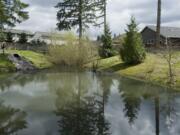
x=71, y=103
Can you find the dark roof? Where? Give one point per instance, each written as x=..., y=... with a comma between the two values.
x=171, y=32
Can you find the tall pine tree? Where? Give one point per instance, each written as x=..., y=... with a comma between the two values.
x=12, y=12
x=106, y=38
x=2, y=11
x=76, y=13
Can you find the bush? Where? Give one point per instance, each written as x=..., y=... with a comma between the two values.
x=132, y=51
x=72, y=53
x=23, y=38
x=2, y=36
x=37, y=42
x=9, y=37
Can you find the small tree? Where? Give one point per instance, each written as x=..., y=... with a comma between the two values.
x=2, y=41
x=133, y=51
x=98, y=38
x=9, y=37
x=23, y=38
x=107, y=49
x=169, y=53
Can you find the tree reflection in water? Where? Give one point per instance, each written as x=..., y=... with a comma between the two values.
x=82, y=114
x=11, y=120
x=103, y=95
x=131, y=96
x=157, y=118
x=134, y=92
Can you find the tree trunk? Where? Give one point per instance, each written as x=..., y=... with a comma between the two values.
x=80, y=19
x=158, y=29
x=105, y=17
x=169, y=60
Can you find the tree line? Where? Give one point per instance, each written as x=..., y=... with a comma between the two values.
x=81, y=14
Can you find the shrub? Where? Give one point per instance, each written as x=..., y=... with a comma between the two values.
x=9, y=37
x=23, y=38
x=72, y=53
x=37, y=42
x=2, y=36
x=132, y=51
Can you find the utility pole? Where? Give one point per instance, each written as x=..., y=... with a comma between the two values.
x=158, y=29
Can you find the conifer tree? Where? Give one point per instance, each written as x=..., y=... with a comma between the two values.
x=133, y=51
x=12, y=12
x=107, y=49
x=76, y=14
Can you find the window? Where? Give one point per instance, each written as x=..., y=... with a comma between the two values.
x=150, y=42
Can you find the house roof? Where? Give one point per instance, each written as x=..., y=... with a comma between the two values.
x=15, y=31
x=47, y=35
x=170, y=32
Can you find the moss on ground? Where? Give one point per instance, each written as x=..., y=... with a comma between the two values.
x=154, y=69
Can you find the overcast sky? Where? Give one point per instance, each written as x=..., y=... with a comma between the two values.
x=43, y=14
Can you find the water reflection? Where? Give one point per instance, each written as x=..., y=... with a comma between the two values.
x=156, y=100
x=134, y=93
x=82, y=114
x=71, y=103
x=21, y=79
x=11, y=120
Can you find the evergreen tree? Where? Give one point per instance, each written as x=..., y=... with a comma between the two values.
x=2, y=12
x=133, y=51
x=23, y=38
x=12, y=12
x=101, y=9
x=76, y=13
x=107, y=49
x=9, y=37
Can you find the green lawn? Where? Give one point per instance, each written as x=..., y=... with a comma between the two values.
x=39, y=60
x=154, y=69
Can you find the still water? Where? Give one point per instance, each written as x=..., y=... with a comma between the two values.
x=69, y=103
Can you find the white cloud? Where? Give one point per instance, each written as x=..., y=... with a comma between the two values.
x=43, y=14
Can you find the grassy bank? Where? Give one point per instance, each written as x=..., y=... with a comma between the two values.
x=154, y=69
x=5, y=64
x=39, y=60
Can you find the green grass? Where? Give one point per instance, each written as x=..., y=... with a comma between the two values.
x=154, y=69
x=38, y=59
x=5, y=64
